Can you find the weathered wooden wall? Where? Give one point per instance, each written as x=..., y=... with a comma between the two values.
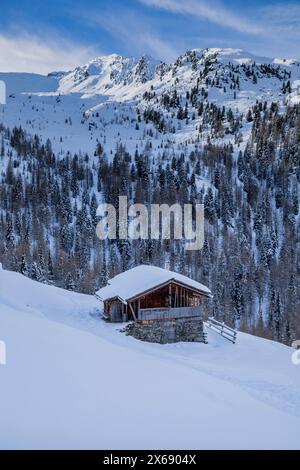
x=169, y=313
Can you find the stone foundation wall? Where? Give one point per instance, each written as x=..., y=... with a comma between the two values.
x=167, y=331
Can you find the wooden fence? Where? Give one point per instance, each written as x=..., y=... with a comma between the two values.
x=222, y=329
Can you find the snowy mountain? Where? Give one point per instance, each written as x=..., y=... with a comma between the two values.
x=102, y=100
x=73, y=381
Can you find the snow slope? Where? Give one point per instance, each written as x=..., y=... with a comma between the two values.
x=73, y=381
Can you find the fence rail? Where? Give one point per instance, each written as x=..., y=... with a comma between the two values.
x=223, y=330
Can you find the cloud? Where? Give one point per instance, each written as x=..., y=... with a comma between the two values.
x=26, y=52
x=214, y=12
x=274, y=28
x=157, y=47
x=135, y=33
x=284, y=10
x=286, y=16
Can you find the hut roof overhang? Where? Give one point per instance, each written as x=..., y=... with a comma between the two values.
x=143, y=279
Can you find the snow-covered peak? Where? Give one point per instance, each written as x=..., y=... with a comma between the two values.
x=214, y=57
x=238, y=56
x=106, y=72
x=235, y=55
x=97, y=74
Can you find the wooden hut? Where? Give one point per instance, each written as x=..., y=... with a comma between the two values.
x=146, y=293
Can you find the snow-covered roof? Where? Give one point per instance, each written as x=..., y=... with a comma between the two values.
x=142, y=278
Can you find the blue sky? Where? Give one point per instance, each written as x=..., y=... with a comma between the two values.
x=41, y=36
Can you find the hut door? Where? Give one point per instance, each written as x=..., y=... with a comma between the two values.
x=116, y=310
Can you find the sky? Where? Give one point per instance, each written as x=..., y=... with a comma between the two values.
x=44, y=36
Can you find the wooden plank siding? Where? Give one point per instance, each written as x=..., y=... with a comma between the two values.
x=169, y=313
